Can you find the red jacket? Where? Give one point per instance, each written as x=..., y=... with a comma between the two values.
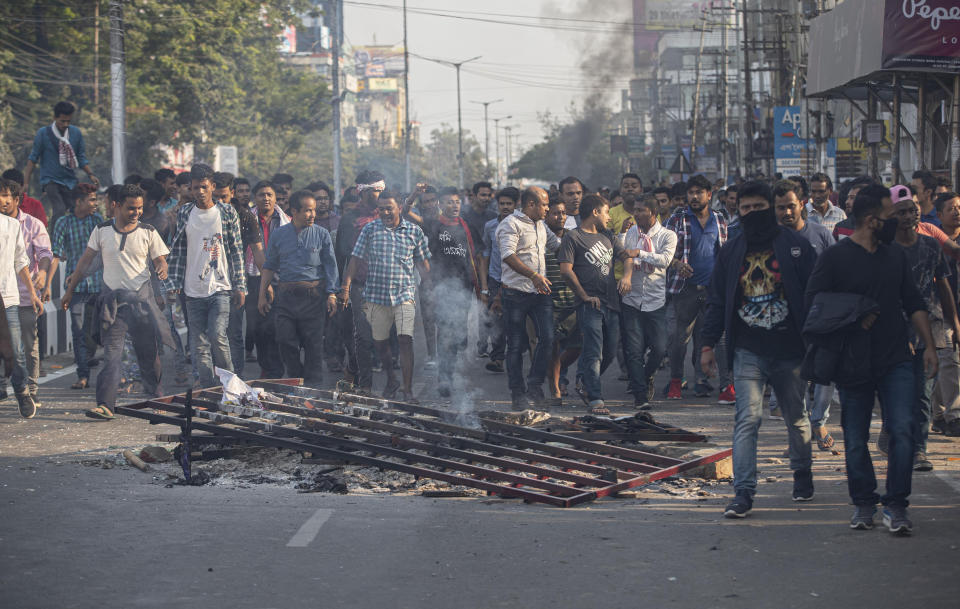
x=34, y=208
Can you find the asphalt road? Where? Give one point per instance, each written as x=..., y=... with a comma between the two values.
x=72, y=535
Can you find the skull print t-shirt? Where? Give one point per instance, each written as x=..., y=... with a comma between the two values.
x=207, y=271
x=763, y=322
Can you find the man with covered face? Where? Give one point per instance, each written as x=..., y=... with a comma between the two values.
x=756, y=296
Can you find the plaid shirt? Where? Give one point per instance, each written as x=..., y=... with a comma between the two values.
x=390, y=255
x=232, y=246
x=680, y=223
x=69, y=241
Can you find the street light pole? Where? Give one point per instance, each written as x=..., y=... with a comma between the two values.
x=496, y=134
x=486, y=129
x=406, y=104
x=456, y=65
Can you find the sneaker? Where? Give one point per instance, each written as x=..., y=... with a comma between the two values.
x=740, y=506
x=33, y=394
x=535, y=396
x=896, y=521
x=482, y=351
x=921, y=463
x=776, y=413
x=938, y=425
x=494, y=365
x=862, y=519
x=802, y=485
x=641, y=404
x=430, y=364
x=28, y=408
x=728, y=396
x=952, y=428
x=675, y=392
x=702, y=390
x=377, y=367
x=883, y=442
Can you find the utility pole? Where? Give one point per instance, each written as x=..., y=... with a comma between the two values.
x=496, y=134
x=336, y=35
x=96, y=54
x=696, y=94
x=456, y=65
x=724, y=97
x=406, y=104
x=747, y=92
x=118, y=81
x=486, y=129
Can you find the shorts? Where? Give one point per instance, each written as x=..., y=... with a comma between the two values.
x=566, y=332
x=382, y=318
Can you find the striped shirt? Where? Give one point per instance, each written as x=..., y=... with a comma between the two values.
x=563, y=296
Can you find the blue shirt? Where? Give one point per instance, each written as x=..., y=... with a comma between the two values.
x=703, y=249
x=46, y=156
x=932, y=218
x=390, y=254
x=491, y=248
x=304, y=256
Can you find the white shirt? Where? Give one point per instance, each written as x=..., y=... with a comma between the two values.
x=648, y=291
x=518, y=235
x=126, y=256
x=13, y=258
x=206, y=272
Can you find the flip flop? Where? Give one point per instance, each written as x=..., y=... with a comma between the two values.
x=81, y=384
x=101, y=413
x=826, y=442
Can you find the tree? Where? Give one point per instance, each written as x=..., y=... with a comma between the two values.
x=440, y=161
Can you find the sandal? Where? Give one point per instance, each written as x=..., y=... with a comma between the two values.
x=826, y=442
x=81, y=384
x=600, y=410
x=391, y=390
x=101, y=412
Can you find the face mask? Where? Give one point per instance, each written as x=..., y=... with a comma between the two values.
x=760, y=226
x=888, y=231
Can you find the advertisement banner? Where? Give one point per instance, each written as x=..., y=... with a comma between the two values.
x=794, y=152
x=922, y=34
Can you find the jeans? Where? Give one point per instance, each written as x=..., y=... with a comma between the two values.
x=600, y=329
x=19, y=377
x=301, y=316
x=751, y=373
x=180, y=357
x=31, y=347
x=517, y=306
x=923, y=411
x=264, y=332
x=498, y=345
x=208, y=319
x=79, y=330
x=896, y=391
x=643, y=330
x=235, y=338
x=946, y=401
x=690, y=304
x=144, y=340
x=56, y=200
x=820, y=406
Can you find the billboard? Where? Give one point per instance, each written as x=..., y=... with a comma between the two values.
x=921, y=34
x=382, y=84
x=678, y=15
x=794, y=152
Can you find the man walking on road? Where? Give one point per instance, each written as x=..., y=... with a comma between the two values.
x=206, y=263
x=867, y=264
x=701, y=232
x=390, y=248
x=756, y=298
x=523, y=239
x=263, y=326
x=127, y=303
x=58, y=150
x=301, y=257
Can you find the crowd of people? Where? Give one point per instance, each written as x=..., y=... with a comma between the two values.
x=785, y=288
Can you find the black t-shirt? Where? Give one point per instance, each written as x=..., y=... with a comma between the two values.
x=451, y=254
x=763, y=320
x=592, y=256
x=928, y=266
x=885, y=276
x=476, y=221
x=249, y=226
x=159, y=221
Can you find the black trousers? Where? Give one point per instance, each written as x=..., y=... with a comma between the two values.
x=301, y=315
x=265, y=333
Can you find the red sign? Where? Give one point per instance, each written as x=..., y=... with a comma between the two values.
x=922, y=34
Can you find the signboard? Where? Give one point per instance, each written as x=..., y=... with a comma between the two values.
x=794, y=152
x=683, y=14
x=226, y=159
x=922, y=34
x=381, y=84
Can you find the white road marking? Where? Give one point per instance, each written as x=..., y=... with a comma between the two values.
x=52, y=376
x=308, y=532
x=950, y=478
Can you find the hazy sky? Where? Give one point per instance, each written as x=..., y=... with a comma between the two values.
x=532, y=68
